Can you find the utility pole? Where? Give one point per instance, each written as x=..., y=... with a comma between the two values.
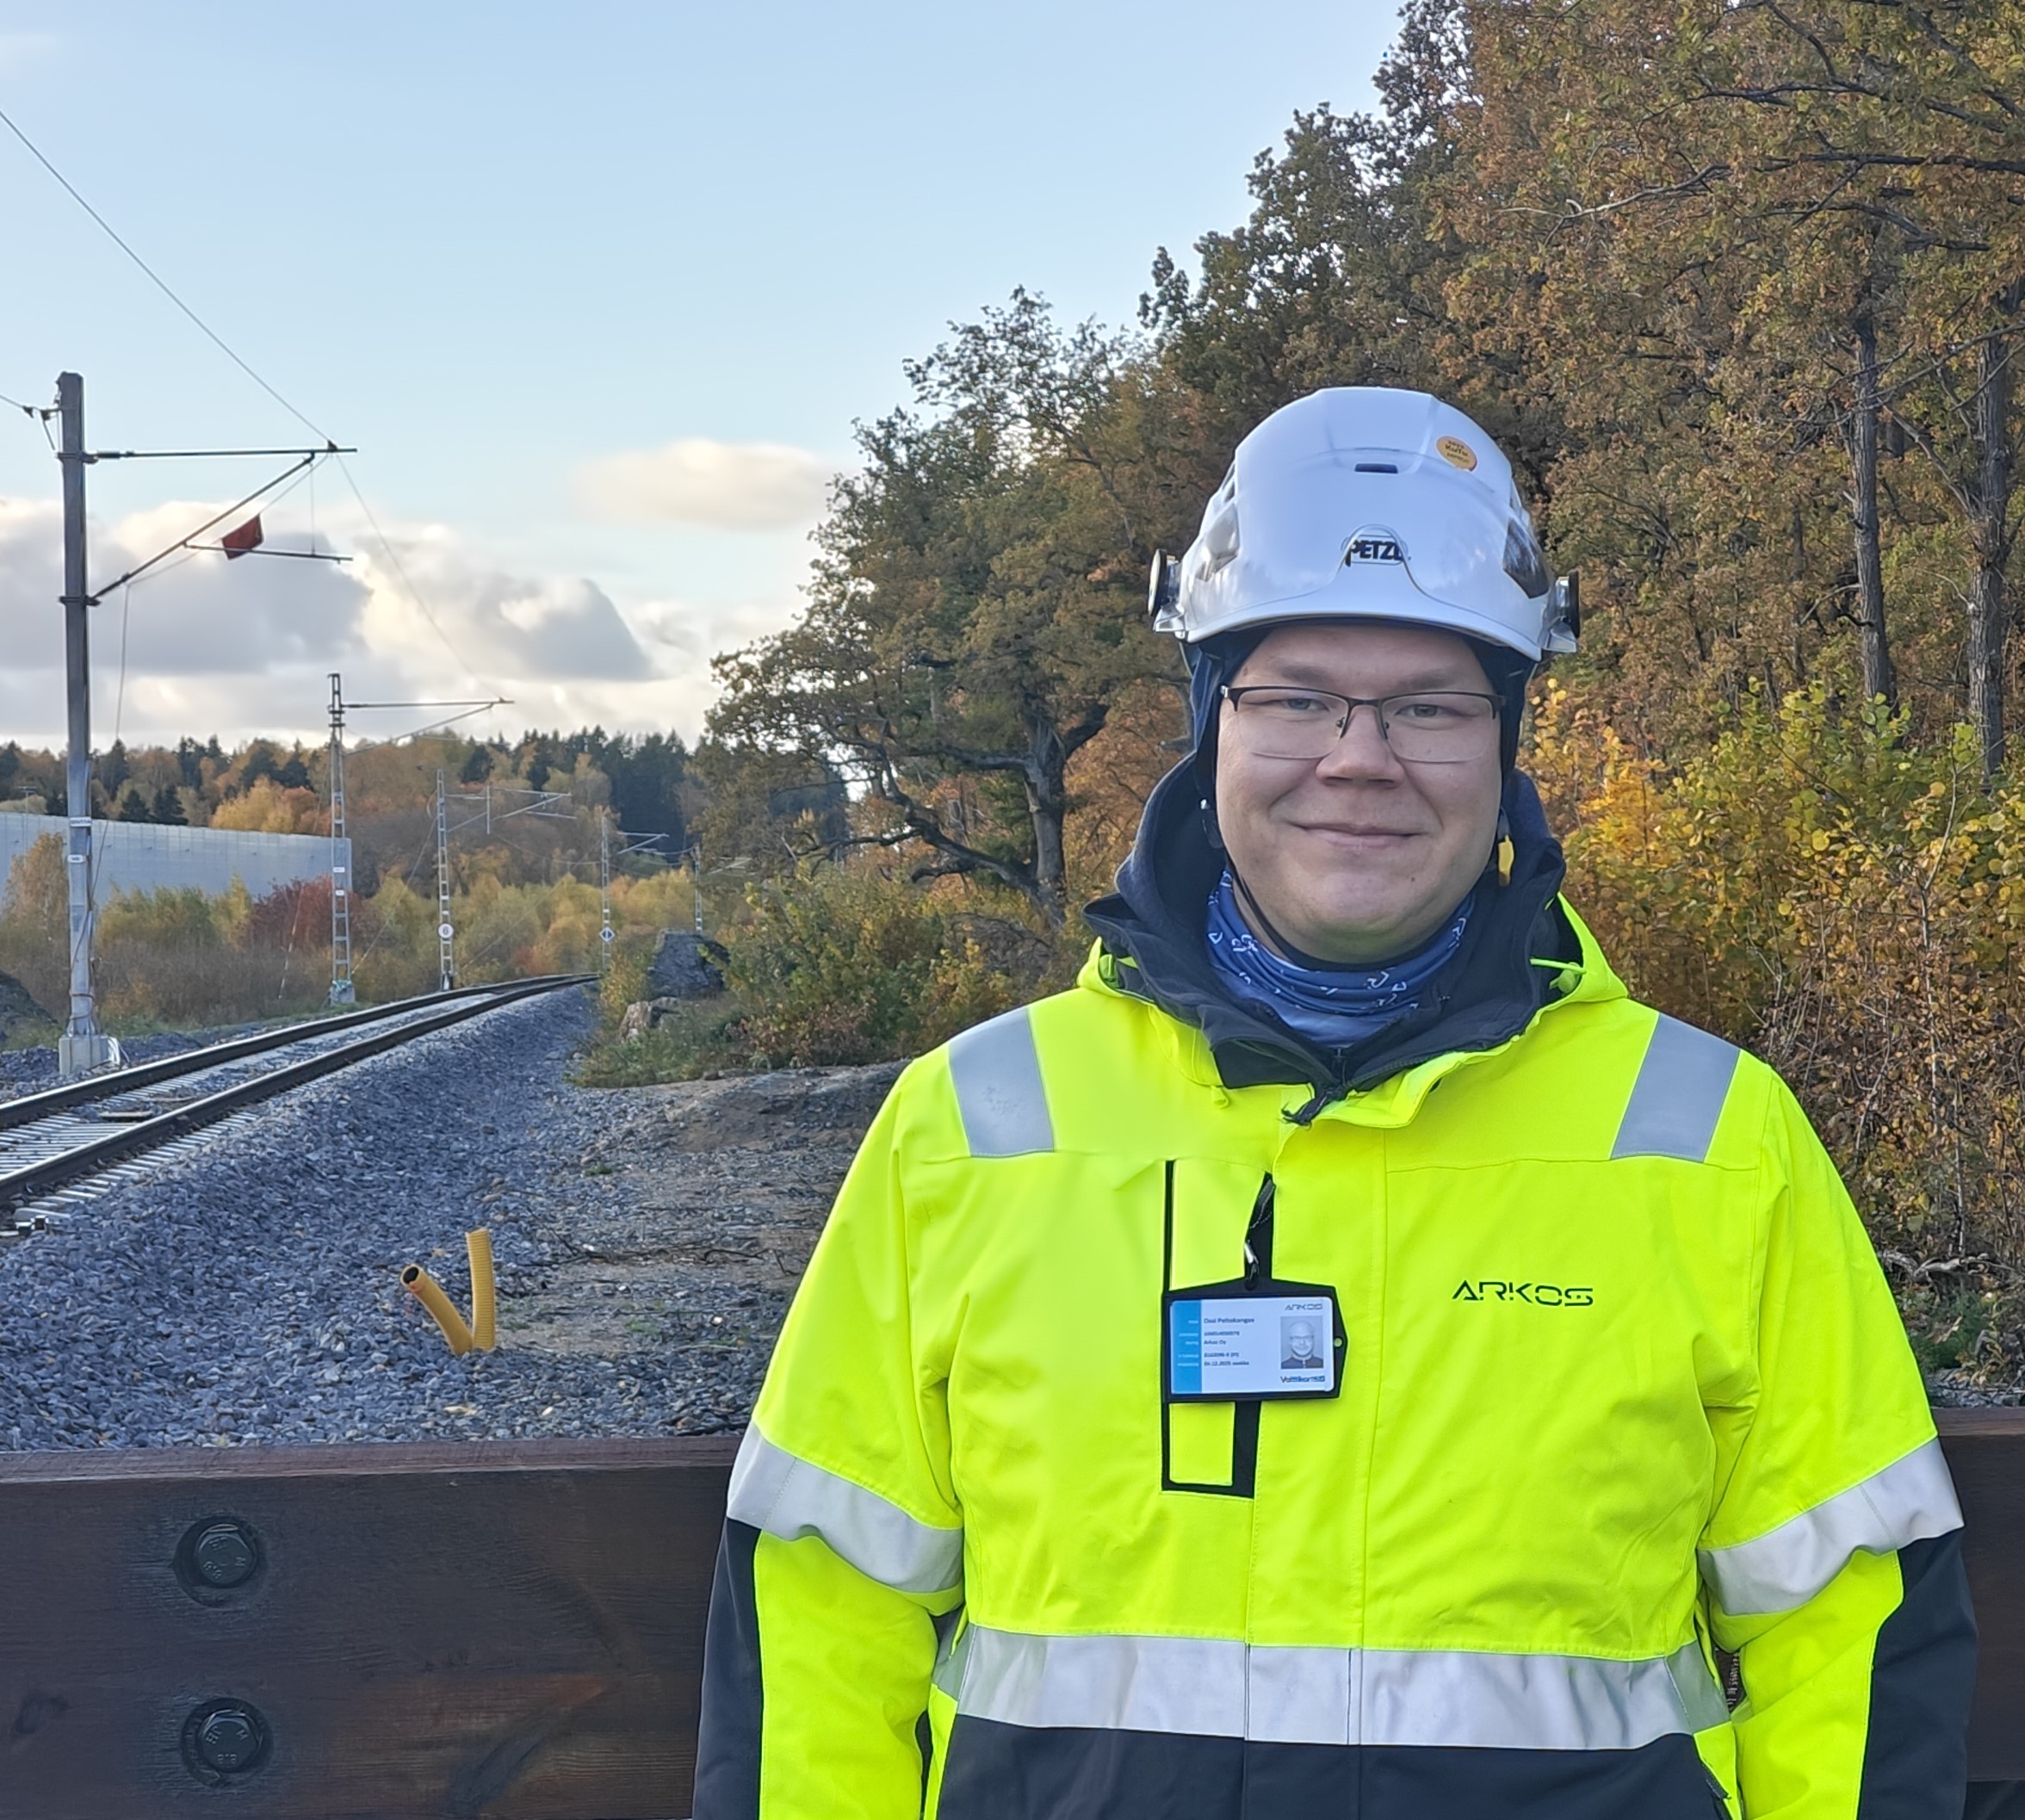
x=604, y=933
x=341, y=987
x=446, y=932
x=82, y=1047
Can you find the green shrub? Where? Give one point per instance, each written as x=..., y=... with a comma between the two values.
x=835, y=965
x=847, y=965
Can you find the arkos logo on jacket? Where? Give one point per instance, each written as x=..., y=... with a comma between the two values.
x=1540, y=1295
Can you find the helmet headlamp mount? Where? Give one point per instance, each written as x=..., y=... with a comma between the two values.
x=1564, y=612
x=1163, y=592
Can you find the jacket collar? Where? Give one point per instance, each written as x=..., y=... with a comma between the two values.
x=1150, y=933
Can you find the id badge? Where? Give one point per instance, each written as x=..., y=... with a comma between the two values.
x=1231, y=1342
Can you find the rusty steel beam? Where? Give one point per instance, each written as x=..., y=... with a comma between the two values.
x=443, y=1630
x=514, y=1629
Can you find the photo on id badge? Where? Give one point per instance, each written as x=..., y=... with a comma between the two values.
x=1300, y=1345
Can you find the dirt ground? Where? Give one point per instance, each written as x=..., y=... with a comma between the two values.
x=696, y=1211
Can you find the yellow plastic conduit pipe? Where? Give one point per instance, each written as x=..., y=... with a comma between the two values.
x=485, y=1302
x=426, y=1290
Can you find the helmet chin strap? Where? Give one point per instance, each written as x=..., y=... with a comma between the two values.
x=1258, y=913
x=1256, y=910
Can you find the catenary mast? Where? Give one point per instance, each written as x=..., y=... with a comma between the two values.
x=341, y=987
x=82, y=1046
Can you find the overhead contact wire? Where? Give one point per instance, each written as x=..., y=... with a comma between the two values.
x=246, y=367
x=231, y=354
x=35, y=414
x=157, y=280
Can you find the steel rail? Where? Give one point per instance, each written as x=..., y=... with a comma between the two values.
x=32, y=1106
x=37, y=1180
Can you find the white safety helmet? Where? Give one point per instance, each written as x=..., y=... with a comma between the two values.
x=1363, y=502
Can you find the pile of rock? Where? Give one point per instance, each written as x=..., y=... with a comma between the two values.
x=685, y=967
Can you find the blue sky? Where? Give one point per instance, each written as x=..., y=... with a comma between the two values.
x=516, y=253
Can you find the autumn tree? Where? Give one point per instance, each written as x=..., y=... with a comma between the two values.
x=1765, y=233
x=978, y=603
x=761, y=810
x=1342, y=274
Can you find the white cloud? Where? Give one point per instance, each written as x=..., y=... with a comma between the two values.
x=200, y=615
x=488, y=622
x=740, y=487
x=243, y=647
x=693, y=632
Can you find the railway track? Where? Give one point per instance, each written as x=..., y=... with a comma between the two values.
x=67, y=1145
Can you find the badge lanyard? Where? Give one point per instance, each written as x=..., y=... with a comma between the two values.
x=1254, y=1339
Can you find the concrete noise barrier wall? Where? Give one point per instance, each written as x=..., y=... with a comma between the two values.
x=142, y=855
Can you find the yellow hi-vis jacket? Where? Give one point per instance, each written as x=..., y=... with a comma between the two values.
x=1622, y=1384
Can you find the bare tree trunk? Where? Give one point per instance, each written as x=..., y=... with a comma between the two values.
x=1990, y=536
x=1047, y=805
x=1863, y=499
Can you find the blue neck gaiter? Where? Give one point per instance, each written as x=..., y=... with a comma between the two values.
x=1336, y=1007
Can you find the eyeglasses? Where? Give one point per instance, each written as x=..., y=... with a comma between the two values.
x=1437, y=726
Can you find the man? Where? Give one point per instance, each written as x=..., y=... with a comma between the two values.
x=1026, y=1524
x=1300, y=1347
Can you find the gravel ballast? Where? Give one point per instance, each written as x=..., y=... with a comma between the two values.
x=250, y=1294
x=33, y=1070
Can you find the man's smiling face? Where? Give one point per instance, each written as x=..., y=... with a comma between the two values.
x=1358, y=856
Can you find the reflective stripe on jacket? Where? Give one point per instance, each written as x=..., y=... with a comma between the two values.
x=1622, y=1379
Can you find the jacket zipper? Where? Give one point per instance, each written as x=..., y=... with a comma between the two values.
x=1323, y=1097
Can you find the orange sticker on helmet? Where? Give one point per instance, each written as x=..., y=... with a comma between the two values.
x=1461, y=453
